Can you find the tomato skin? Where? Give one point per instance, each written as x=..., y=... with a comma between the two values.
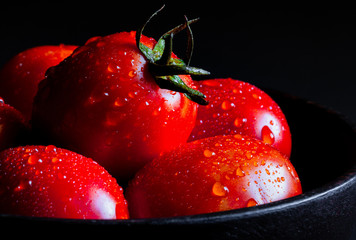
x=12, y=126
x=103, y=102
x=209, y=175
x=20, y=76
x=237, y=107
x=45, y=181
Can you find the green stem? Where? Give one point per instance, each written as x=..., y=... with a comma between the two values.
x=166, y=69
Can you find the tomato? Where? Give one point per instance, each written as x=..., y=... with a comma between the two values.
x=20, y=76
x=46, y=181
x=209, y=175
x=12, y=126
x=237, y=107
x=104, y=102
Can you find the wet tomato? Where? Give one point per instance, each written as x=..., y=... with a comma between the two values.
x=104, y=102
x=20, y=76
x=237, y=107
x=45, y=181
x=209, y=175
x=13, y=128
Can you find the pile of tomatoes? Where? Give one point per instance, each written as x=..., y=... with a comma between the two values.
x=76, y=123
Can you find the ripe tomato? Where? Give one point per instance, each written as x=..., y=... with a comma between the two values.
x=45, y=181
x=212, y=174
x=20, y=76
x=12, y=126
x=237, y=107
x=104, y=103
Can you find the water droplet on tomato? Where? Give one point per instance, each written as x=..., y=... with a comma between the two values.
x=219, y=190
x=248, y=155
x=132, y=73
x=91, y=100
x=33, y=159
x=119, y=102
x=208, y=153
x=256, y=96
x=267, y=135
x=238, y=122
x=239, y=172
x=20, y=187
x=54, y=160
x=50, y=148
x=226, y=105
x=251, y=202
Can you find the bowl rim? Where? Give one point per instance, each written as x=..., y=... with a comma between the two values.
x=340, y=183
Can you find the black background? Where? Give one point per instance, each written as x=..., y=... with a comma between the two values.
x=298, y=49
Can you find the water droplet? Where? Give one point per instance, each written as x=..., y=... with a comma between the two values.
x=110, y=68
x=267, y=135
x=256, y=96
x=208, y=153
x=251, y=202
x=132, y=94
x=219, y=189
x=33, y=159
x=91, y=100
x=132, y=73
x=226, y=105
x=50, y=148
x=20, y=187
x=238, y=122
x=248, y=155
x=239, y=172
x=54, y=160
x=239, y=136
x=118, y=102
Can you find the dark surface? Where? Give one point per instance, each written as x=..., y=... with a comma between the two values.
x=325, y=159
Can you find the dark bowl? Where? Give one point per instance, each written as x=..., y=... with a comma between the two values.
x=324, y=155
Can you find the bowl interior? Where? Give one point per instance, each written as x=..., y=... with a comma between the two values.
x=323, y=141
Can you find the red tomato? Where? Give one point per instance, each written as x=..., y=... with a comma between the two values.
x=237, y=107
x=12, y=126
x=103, y=102
x=20, y=76
x=45, y=181
x=209, y=175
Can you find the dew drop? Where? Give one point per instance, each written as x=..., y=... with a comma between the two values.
x=33, y=159
x=238, y=122
x=110, y=68
x=20, y=187
x=251, y=202
x=256, y=96
x=118, y=102
x=208, y=153
x=248, y=155
x=239, y=172
x=226, y=105
x=132, y=73
x=50, y=148
x=219, y=189
x=267, y=135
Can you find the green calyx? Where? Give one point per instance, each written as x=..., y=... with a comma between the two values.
x=166, y=69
